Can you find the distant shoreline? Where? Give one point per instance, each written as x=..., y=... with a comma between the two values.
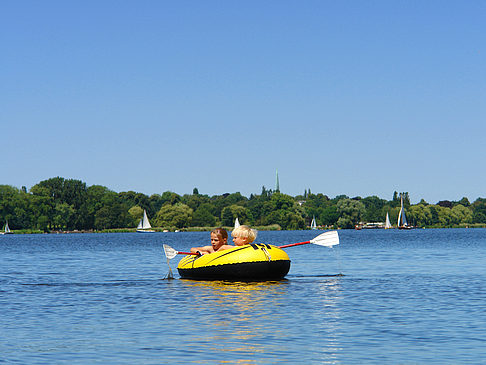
x=273, y=227
x=209, y=229
x=61, y=205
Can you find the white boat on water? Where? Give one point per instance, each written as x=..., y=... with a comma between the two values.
x=402, y=218
x=6, y=229
x=313, y=223
x=144, y=224
x=387, y=222
x=237, y=223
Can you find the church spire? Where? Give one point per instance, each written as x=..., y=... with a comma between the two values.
x=277, y=185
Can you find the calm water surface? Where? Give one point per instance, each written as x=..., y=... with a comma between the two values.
x=405, y=297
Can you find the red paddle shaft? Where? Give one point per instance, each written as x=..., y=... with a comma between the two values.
x=186, y=253
x=294, y=244
x=284, y=246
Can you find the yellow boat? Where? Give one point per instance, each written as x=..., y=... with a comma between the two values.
x=254, y=262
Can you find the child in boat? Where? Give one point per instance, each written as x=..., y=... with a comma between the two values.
x=219, y=237
x=242, y=235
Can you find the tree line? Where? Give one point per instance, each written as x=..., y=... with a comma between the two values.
x=60, y=204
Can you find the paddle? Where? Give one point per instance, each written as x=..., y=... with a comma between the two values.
x=170, y=253
x=327, y=239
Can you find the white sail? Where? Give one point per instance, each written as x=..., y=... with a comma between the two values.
x=144, y=222
x=313, y=223
x=402, y=218
x=237, y=222
x=6, y=229
x=387, y=221
x=399, y=217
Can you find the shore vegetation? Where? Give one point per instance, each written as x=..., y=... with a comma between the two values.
x=69, y=205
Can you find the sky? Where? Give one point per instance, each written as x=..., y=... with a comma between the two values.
x=358, y=98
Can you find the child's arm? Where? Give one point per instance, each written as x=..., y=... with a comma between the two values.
x=202, y=250
x=225, y=247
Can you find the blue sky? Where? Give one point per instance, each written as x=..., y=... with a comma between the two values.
x=343, y=97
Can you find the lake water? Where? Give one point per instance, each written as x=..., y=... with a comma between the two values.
x=404, y=297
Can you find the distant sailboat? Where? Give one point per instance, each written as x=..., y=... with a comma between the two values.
x=144, y=224
x=6, y=230
x=402, y=218
x=313, y=223
x=237, y=222
x=387, y=222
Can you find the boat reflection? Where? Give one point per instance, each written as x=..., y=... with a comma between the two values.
x=255, y=321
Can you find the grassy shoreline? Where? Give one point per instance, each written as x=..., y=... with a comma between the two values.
x=273, y=227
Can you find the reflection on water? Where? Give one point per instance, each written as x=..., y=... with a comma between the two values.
x=240, y=316
x=257, y=321
x=330, y=295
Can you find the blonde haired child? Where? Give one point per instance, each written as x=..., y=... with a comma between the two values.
x=243, y=235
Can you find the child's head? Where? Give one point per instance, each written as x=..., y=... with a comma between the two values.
x=243, y=235
x=219, y=237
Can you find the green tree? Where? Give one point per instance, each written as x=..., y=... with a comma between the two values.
x=229, y=214
x=203, y=217
x=479, y=211
x=195, y=201
x=283, y=210
x=350, y=212
x=418, y=213
x=255, y=205
x=221, y=201
x=464, y=202
x=64, y=191
x=63, y=214
x=328, y=216
x=444, y=216
x=168, y=197
x=461, y=214
x=113, y=213
x=43, y=205
x=135, y=214
x=178, y=215
x=266, y=194
x=396, y=199
x=9, y=202
x=374, y=209
x=22, y=216
x=314, y=206
x=42, y=211
x=96, y=198
x=131, y=198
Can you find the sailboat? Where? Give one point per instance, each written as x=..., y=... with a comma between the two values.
x=6, y=230
x=237, y=222
x=387, y=222
x=402, y=218
x=144, y=224
x=313, y=223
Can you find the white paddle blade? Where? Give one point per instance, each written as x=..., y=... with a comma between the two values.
x=170, y=253
x=327, y=239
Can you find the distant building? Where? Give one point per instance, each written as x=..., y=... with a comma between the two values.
x=277, y=185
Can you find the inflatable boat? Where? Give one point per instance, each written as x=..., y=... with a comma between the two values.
x=254, y=262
